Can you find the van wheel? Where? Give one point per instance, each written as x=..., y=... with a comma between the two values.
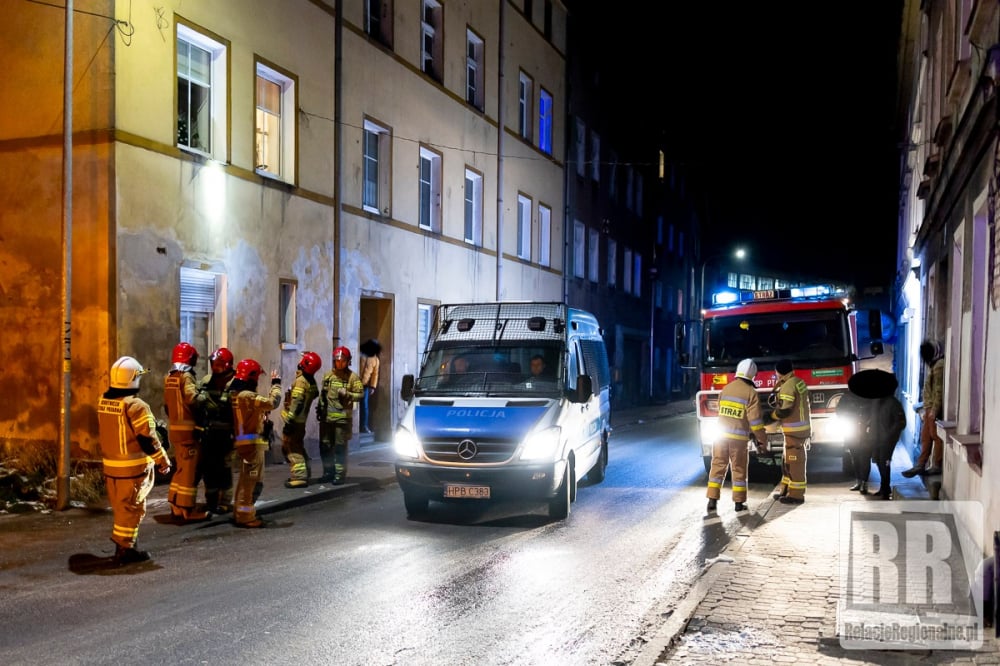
x=599, y=470
x=559, y=505
x=416, y=505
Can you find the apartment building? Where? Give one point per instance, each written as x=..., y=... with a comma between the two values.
x=948, y=283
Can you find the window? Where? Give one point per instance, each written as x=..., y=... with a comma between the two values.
x=378, y=21
x=581, y=147
x=275, y=118
x=287, y=333
x=627, y=271
x=375, y=180
x=593, y=267
x=425, y=321
x=473, y=207
x=545, y=121
x=547, y=25
x=524, y=92
x=430, y=39
x=544, y=235
x=202, y=308
x=474, y=87
x=612, y=263
x=202, y=71
x=595, y=156
x=523, y=227
x=637, y=278
x=430, y=190
x=579, y=248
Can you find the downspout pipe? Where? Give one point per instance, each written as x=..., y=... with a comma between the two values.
x=62, y=483
x=338, y=160
x=500, y=145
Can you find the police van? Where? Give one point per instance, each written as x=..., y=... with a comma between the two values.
x=512, y=402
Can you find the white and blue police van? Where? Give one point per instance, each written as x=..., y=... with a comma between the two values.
x=512, y=402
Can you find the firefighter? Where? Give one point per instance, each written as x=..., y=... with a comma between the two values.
x=739, y=421
x=180, y=391
x=932, y=394
x=216, y=418
x=250, y=411
x=793, y=416
x=341, y=389
x=298, y=401
x=130, y=449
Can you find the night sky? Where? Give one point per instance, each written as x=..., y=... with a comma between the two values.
x=786, y=113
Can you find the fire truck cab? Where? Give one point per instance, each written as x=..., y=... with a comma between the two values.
x=815, y=329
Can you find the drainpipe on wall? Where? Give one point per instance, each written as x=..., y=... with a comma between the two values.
x=500, y=143
x=62, y=483
x=338, y=162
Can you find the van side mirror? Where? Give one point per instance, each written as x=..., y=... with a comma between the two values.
x=406, y=390
x=584, y=389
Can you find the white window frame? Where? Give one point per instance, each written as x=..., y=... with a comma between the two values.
x=202, y=309
x=524, y=227
x=594, y=249
x=218, y=52
x=429, y=189
x=288, y=333
x=544, y=235
x=375, y=162
x=285, y=169
x=473, y=197
x=430, y=38
x=579, y=248
x=474, y=69
x=545, y=121
x=612, y=262
x=425, y=322
x=525, y=90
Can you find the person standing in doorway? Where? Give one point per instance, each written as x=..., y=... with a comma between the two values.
x=250, y=410
x=297, y=403
x=341, y=389
x=370, y=365
x=739, y=421
x=932, y=393
x=130, y=450
x=180, y=393
x=795, y=420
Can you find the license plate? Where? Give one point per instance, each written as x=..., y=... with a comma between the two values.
x=467, y=492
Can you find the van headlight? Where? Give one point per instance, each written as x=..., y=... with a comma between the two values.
x=406, y=444
x=542, y=445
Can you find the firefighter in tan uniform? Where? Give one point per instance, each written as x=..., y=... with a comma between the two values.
x=341, y=389
x=180, y=391
x=250, y=410
x=739, y=421
x=793, y=415
x=130, y=449
x=298, y=401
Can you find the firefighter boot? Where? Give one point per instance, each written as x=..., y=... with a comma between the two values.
x=712, y=504
x=125, y=555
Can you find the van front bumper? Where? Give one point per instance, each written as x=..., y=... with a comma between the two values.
x=538, y=481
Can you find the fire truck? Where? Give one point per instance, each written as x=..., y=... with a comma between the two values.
x=815, y=328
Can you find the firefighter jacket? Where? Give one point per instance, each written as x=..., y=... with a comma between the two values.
x=331, y=407
x=213, y=407
x=932, y=391
x=129, y=441
x=792, y=412
x=249, y=411
x=369, y=371
x=180, y=391
x=299, y=398
x=739, y=412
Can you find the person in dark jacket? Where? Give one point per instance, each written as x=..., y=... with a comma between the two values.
x=880, y=422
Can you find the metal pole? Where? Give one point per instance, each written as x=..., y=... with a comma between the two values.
x=500, y=144
x=62, y=483
x=701, y=293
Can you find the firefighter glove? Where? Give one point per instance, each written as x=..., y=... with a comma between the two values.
x=164, y=468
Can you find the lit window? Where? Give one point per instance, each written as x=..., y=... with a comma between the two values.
x=545, y=121
x=430, y=190
x=544, y=235
x=430, y=39
x=201, y=93
x=524, y=94
x=473, y=207
x=286, y=312
x=523, y=227
x=274, y=141
x=375, y=180
x=474, y=69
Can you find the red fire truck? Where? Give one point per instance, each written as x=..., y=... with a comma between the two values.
x=815, y=329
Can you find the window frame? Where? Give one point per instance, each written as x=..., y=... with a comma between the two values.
x=383, y=167
x=524, y=205
x=192, y=304
x=579, y=249
x=594, y=256
x=380, y=28
x=287, y=121
x=218, y=88
x=525, y=104
x=431, y=28
x=288, y=289
x=475, y=49
x=429, y=176
x=545, y=120
x=544, y=235
x=473, y=207
x=612, y=263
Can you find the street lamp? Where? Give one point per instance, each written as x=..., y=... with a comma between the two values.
x=738, y=254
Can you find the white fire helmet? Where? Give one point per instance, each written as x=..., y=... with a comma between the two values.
x=746, y=369
x=125, y=373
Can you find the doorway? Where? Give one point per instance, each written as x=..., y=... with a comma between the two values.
x=376, y=322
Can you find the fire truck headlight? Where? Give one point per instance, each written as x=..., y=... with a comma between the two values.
x=844, y=430
x=406, y=444
x=709, y=431
x=542, y=445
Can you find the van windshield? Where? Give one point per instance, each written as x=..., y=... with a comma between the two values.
x=517, y=369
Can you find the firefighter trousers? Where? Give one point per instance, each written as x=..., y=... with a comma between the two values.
x=183, y=492
x=294, y=449
x=793, y=467
x=334, y=438
x=128, y=505
x=251, y=482
x=729, y=454
x=217, y=466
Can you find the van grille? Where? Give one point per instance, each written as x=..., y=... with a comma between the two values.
x=488, y=451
